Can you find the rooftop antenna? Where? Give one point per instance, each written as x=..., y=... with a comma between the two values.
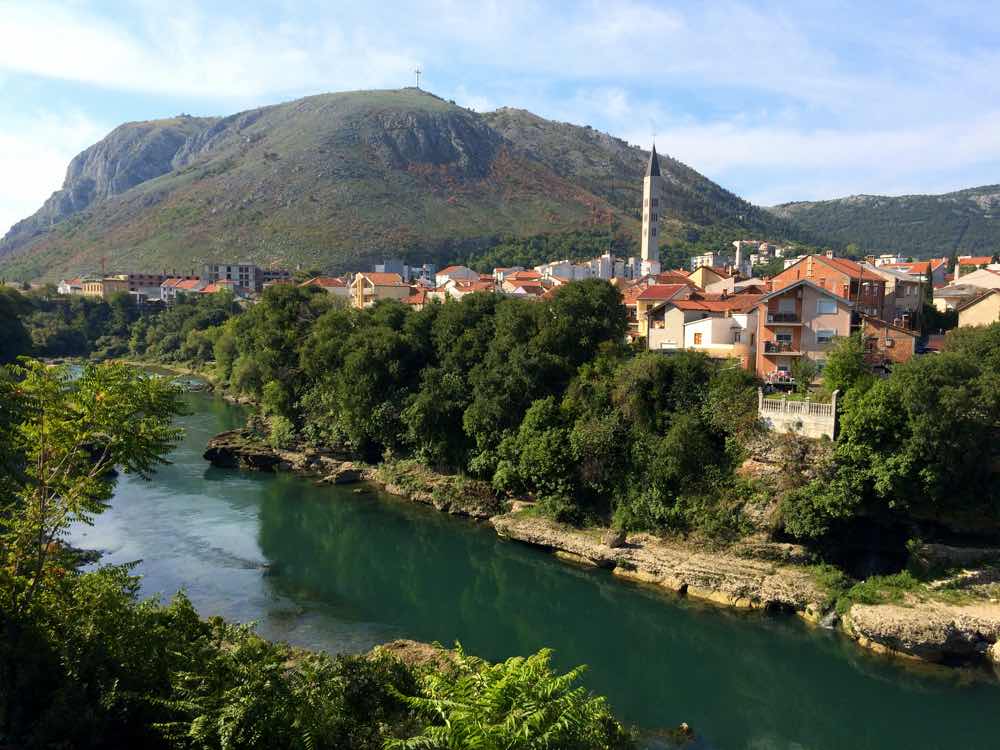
x=417, y=71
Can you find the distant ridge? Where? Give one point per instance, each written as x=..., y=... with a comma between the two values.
x=340, y=180
x=966, y=222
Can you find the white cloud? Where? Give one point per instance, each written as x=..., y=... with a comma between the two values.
x=34, y=151
x=776, y=102
x=182, y=51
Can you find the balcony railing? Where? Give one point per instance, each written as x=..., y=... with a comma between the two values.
x=783, y=317
x=777, y=347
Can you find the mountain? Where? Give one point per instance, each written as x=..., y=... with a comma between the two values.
x=341, y=180
x=966, y=222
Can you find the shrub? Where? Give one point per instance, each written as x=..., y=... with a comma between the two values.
x=519, y=704
x=281, y=432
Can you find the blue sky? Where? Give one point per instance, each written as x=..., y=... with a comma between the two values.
x=776, y=101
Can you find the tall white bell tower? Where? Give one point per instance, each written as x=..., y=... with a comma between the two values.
x=652, y=205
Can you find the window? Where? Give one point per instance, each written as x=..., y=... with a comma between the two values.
x=752, y=336
x=737, y=336
x=656, y=202
x=783, y=337
x=824, y=337
x=655, y=217
x=654, y=231
x=697, y=339
x=783, y=368
x=820, y=364
x=826, y=307
x=786, y=305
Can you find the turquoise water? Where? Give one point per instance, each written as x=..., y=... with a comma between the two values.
x=327, y=568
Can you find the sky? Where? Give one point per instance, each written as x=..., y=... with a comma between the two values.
x=774, y=101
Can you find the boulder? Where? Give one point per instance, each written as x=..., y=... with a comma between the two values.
x=614, y=538
x=234, y=449
x=993, y=652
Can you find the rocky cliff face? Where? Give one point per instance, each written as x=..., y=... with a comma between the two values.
x=131, y=154
x=340, y=180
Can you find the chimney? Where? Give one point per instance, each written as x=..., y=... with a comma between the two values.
x=829, y=253
x=870, y=260
x=958, y=269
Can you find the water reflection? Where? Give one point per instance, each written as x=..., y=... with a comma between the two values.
x=327, y=568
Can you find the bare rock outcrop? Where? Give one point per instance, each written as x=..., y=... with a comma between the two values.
x=722, y=577
x=932, y=631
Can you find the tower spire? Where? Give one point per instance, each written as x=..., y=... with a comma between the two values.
x=653, y=167
x=651, y=196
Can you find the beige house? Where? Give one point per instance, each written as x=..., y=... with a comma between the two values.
x=653, y=296
x=799, y=320
x=712, y=279
x=455, y=273
x=982, y=311
x=722, y=327
x=105, y=287
x=369, y=288
x=984, y=278
x=953, y=296
x=330, y=284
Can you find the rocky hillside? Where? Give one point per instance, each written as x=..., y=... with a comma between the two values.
x=340, y=180
x=966, y=222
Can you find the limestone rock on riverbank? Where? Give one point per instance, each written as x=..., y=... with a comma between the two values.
x=240, y=449
x=928, y=630
x=722, y=577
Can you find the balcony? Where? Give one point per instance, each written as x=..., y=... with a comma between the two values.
x=780, y=347
x=784, y=318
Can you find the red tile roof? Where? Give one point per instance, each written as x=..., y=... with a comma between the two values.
x=733, y=303
x=673, y=277
x=451, y=269
x=661, y=291
x=917, y=267
x=523, y=275
x=849, y=267
x=936, y=263
x=974, y=260
x=325, y=282
x=383, y=279
x=419, y=297
x=181, y=283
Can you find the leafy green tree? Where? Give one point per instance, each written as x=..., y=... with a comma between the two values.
x=14, y=339
x=923, y=440
x=804, y=370
x=845, y=365
x=579, y=318
x=72, y=433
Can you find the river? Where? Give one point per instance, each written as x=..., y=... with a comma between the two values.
x=327, y=568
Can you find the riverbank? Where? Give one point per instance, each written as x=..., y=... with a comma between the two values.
x=939, y=625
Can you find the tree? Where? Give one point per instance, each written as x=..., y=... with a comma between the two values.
x=14, y=339
x=845, y=365
x=804, y=371
x=72, y=433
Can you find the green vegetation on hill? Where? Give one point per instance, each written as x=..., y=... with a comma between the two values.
x=338, y=181
x=966, y=222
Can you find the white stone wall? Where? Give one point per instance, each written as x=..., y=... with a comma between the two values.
x=805, y=418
